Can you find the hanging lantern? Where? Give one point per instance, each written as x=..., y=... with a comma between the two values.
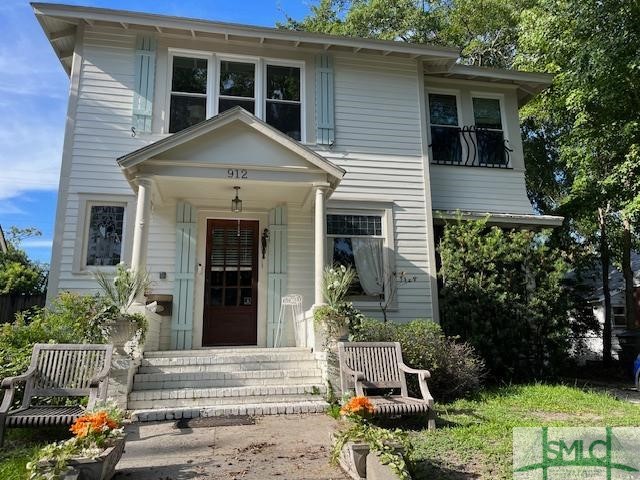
x=236, y=203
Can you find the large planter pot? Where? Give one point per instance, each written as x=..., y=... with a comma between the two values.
x=353, y=459
x=122, y=332
x=102, y=467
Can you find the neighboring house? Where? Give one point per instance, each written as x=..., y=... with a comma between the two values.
x=344, y=150
x=593, y=279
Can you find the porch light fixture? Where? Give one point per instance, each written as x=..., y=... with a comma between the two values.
x=236, y=203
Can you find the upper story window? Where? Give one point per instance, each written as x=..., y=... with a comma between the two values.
x=188, y=92
x=475, y=142
x=237, y=86
x=445, y=128
x=270, y=90
x=283, y=107
x=487, y=116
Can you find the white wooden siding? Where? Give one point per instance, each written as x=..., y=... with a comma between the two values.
x=478, y=189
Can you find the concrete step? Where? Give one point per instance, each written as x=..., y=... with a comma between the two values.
x=226, y=358
x=209, y=352
x=230, y=367
x=184, y=397
x=155, y=381
x=174, y=413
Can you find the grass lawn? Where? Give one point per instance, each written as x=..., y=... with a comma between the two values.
x=474, y=437
x=20, y=445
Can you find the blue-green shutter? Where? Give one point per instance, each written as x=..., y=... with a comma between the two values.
x=183, y=296
x=145, y=73
x=324, y=100
x=277, y=264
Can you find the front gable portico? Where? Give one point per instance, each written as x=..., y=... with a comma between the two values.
x=224, y=279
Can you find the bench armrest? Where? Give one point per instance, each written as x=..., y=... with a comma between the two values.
x=422, y=381
x=358, y=378
x=9, y=387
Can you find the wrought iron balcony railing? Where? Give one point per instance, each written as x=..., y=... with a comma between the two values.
x=469, y=146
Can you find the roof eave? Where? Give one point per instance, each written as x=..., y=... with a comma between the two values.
x=192, y=26
x=503, y=219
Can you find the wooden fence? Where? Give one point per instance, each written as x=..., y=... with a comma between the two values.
x=11, y=304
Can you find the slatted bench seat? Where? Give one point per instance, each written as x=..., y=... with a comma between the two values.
x=56, y=370
x=378, y=365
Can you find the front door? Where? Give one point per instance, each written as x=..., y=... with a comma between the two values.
x=231, y=284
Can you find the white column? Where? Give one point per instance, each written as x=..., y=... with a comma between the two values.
x=320, y=240
x=141, y=226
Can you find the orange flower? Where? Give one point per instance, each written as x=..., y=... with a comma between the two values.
x=93, y=422
x=357, y=406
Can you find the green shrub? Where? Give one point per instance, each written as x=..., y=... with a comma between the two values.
x=72, y=318
x=455, y=368
x=507, y=293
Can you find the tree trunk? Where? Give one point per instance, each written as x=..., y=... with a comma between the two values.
x=627, y=272
x=604, y=260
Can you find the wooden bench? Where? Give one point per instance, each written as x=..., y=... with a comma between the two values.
x=56, y=370
x=379, y=365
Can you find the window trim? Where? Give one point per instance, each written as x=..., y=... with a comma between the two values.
x=213, y=81
x=388, y=243
x=453, y=93
x=86, y=201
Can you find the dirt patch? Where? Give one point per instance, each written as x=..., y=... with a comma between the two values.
x=255, y=448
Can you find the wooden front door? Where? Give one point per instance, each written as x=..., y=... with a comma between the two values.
x=231, y=284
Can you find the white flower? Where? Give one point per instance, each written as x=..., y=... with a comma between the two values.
x=343, y=268
x=336, y=284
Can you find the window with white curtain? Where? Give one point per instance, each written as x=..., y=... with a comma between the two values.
x=359, y=241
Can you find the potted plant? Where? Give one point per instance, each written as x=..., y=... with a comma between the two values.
x=338, y=316
x=358, y=437
x=119, y=293
x=91, y=454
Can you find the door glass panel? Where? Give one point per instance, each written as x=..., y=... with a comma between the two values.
x=247, y=297
x=230, y=297
x=231, y=277
x=216, y=296
x=245, y=278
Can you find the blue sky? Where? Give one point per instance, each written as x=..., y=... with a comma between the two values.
x=33, y=100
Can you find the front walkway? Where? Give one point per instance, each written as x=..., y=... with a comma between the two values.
x=288, y=447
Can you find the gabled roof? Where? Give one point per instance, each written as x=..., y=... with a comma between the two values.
x=58, y=21
x=236, y=114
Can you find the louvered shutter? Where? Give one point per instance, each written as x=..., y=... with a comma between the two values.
x=145, y=71
x=324, y=100
x=183, y=296
x=277, y=264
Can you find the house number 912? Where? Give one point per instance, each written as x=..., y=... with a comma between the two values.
x=235, y=173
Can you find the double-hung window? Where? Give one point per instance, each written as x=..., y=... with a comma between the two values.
x=189, y=86
x=237, y=86
x=358, y=241
x=490, y=139
x=283, y=108
x=204, y=84
x=445, y=129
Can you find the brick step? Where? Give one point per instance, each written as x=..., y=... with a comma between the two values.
x=209, y=352
x=218, y=401
x=226, y=358
x=157, y=381
x=229, y=367
x=174, y=413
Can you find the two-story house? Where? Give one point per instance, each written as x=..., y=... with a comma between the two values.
x=232, y=163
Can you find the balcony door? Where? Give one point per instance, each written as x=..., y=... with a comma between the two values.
x=231, y=284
